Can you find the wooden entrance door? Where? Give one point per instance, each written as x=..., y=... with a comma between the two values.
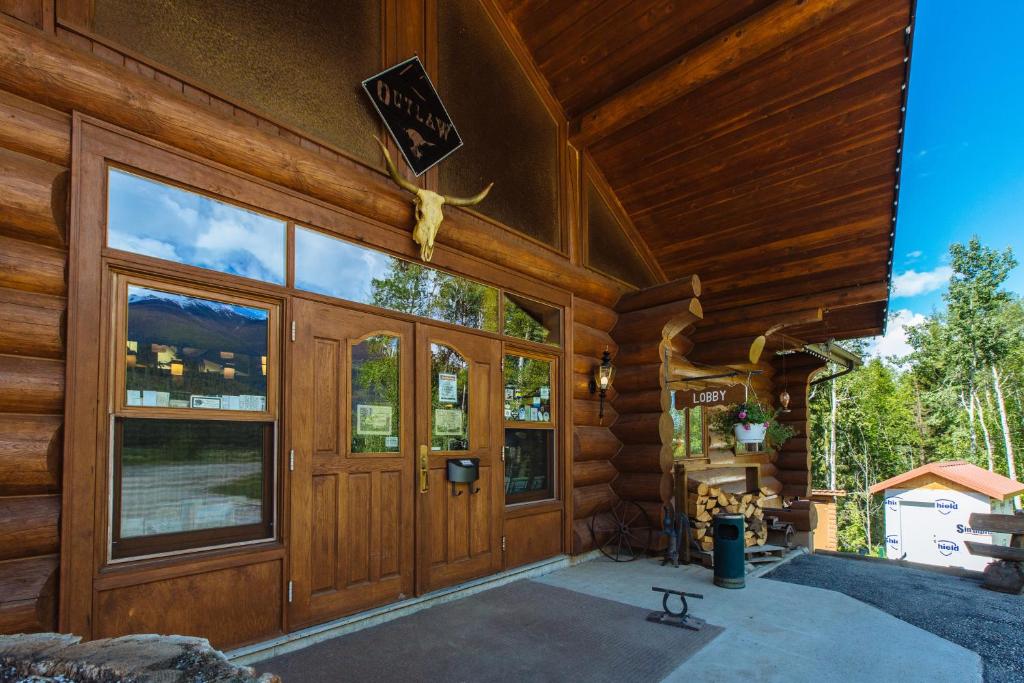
x=352, y=486
x=458, y=529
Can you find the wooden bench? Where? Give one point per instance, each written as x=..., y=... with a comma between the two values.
x=1006, y=574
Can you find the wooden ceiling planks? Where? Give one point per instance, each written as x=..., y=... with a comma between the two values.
x=773, y=178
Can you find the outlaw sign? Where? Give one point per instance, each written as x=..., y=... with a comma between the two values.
x=690, y=398
x=412, y=110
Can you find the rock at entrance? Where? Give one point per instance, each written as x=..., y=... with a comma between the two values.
x=136, y=658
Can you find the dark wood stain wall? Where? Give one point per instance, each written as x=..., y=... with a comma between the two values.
x=50, y=72
x=34, y=158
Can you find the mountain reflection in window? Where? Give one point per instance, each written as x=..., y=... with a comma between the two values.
x=334, y=267
x=188, y=352
x=155, y=219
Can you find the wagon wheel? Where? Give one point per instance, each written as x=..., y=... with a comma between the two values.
x=626, y=529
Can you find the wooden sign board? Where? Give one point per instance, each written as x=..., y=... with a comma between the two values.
x=414, y=114
x=715, y=396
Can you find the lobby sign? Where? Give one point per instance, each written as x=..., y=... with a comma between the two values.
x=717, y=396
x=414, y=114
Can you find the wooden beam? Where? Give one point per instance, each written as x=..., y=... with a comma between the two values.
x=730, y=50
x=1000, y=524
x=1000, y=552
x=44, y=69
x=680, y=288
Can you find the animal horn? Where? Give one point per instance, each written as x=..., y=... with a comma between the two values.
x=468, y=201
x=395, y=175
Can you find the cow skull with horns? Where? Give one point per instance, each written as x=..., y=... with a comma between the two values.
x=429, y=213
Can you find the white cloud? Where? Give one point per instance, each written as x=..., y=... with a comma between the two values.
x=916, y=254
x=894, y=343
x=913, y=283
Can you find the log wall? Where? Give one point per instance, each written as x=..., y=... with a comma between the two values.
x=794, y=373
x=34, y=161
x=653, y=324
x=594, y=443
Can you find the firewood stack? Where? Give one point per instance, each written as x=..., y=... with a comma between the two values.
x=704, y=502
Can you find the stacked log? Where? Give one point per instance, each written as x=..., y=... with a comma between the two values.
x=594, y=444
x=793, y=461
x=705, y=501
x=34, y=158
x=651, y=329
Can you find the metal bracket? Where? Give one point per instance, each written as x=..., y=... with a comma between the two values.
x=679, y=619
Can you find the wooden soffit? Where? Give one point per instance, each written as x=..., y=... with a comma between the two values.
x=753, y=142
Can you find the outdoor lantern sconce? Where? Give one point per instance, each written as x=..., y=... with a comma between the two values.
x=602, y=381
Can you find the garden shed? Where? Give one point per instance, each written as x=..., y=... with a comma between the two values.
x=927, y=511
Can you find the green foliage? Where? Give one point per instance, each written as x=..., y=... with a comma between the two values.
x=752, y=413
x=938, y=403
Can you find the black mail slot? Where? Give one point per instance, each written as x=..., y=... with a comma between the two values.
x=463, y=470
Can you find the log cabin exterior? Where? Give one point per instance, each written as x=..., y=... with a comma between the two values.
x=671, y=180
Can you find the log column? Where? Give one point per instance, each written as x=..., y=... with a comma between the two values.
x=652, y=329
x=794, y=373
x=594, y=444
x=34, y=144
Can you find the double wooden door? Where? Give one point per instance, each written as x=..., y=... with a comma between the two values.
x=377, y=407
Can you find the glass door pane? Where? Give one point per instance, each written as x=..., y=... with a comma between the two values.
x=449, y=399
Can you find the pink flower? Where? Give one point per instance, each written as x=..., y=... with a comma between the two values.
x=743, y=415
x=747, y=427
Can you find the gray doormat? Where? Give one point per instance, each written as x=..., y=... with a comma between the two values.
x=524, y=631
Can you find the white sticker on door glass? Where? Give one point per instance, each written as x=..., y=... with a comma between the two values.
x=447, y=387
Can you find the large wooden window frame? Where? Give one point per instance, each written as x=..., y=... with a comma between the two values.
x=123, y=549
x=86, y=567
x=520, y=349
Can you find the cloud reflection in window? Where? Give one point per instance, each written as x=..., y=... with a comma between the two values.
x=151, y=218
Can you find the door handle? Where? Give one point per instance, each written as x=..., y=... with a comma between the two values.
x=424, y=469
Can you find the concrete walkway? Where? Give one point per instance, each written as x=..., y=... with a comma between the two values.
x=776, y=631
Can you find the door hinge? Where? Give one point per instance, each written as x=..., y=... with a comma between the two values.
x=293, y=330
x=504, y=543
x=291, y=590
x=503, y=453
x=291, y=460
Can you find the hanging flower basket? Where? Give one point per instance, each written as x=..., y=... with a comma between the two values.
x=751, y=422
x=750, y=433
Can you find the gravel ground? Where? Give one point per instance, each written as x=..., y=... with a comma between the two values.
x=954, y=608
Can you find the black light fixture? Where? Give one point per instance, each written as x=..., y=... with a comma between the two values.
x=604, y=374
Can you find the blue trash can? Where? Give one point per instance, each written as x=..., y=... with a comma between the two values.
x=730, y=560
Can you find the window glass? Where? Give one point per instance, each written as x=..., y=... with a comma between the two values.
x=327, y=265
x=178, y=476
x=189, y=352
x=529, y=464
x=449, y=399
x=696, y=435
x=376, y=407
x=527, y=389
x=532, y=320
x=154, y=219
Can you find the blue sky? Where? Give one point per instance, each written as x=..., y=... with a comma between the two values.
x=963, y=156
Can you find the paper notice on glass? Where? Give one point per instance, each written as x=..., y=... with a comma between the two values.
x=448, y=422
x=229, y=402
x=163, y=399
x=545, y=393
x=391, y=442
x=149, y=398
x=133, y=398
x=208, y=402
x=251, y=402
x=373, y=420
x=447, y=387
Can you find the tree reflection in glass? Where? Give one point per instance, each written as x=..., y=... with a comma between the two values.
x=189, y=352
x=376, y=396
x=332, y=266
x=449, y=399
x=527, y=389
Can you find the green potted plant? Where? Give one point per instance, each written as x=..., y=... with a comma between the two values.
x=751, y=422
